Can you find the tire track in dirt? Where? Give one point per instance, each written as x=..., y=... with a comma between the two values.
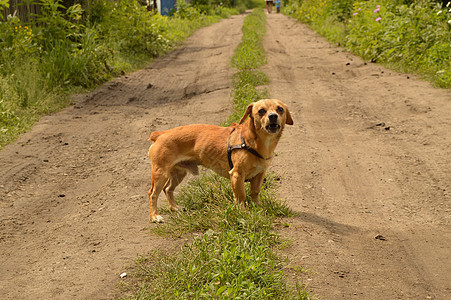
x=373, y=199
x=73, y=190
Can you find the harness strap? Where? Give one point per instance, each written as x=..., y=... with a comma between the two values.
x=239, y=146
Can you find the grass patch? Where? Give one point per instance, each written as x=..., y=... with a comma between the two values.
x=250, y=53
x=216, y=265
x=208, y=205
x=231, y=256
x=24, y=97
x=248, y=56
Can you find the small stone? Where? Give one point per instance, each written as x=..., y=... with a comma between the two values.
x=380, y=237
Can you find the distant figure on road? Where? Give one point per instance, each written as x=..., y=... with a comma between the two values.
x=269, y=5
x=277, y=4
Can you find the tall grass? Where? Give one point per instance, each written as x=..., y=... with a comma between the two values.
x=232, y=252
x=65, y=50
x=409, y=36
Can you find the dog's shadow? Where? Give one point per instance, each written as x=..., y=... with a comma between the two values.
x=331, y=226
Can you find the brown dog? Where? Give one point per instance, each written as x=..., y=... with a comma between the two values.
x=240, y=152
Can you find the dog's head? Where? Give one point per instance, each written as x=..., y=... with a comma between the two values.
x=268, y=115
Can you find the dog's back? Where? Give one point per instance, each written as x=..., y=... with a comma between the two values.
x=154, y=135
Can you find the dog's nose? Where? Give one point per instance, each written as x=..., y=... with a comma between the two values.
x=273, y=117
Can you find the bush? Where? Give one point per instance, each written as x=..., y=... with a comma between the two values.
x=130, y=29
x=66, y=52
x=413, y=37
x=65, y=49
x=410, y=36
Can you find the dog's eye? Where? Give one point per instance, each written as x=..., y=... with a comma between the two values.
x=262, y=111
x=280, y=110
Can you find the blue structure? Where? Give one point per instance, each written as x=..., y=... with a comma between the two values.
x=165, y=7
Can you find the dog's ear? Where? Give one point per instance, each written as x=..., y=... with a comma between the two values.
x=289, y=120
x=247, y=113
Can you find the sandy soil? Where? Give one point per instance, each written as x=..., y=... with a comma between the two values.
x=366, y=166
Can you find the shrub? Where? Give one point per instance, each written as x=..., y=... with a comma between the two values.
x=413, y=37
x=410, y=36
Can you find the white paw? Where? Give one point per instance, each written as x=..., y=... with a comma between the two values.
x=157, y=219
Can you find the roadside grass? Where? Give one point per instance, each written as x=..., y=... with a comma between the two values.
x=407, y=36
x=23, y=99
x=232, y=252
x=76, y=50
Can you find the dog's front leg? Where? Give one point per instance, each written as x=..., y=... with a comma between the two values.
x=239, y=192
x=256, y=185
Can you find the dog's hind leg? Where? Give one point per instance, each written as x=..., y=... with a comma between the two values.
x=176, y=177
x=159, y=181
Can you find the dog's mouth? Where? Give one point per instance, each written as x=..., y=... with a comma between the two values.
x=273, y=128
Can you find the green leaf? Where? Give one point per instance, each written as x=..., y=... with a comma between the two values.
x=221, y=290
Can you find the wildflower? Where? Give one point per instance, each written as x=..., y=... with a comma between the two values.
x=376, y=10
x=355, y=14
x=378, y=19
x=449, y=22
x=439, y=12
x=447, y=5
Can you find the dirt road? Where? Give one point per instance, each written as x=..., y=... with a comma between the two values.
x=366, y=166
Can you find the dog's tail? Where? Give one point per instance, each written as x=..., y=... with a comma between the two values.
x=154, y=135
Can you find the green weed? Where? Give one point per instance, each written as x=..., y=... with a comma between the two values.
x=409, y=38
x=413, y=37
x=23, y=98
x=216, y=265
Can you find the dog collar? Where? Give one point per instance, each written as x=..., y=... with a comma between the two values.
x=239, y=146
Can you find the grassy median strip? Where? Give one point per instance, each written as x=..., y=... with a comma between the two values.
x=231, y=251
x=247, y=58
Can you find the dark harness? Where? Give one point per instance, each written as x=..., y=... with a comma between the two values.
x=240, y=146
